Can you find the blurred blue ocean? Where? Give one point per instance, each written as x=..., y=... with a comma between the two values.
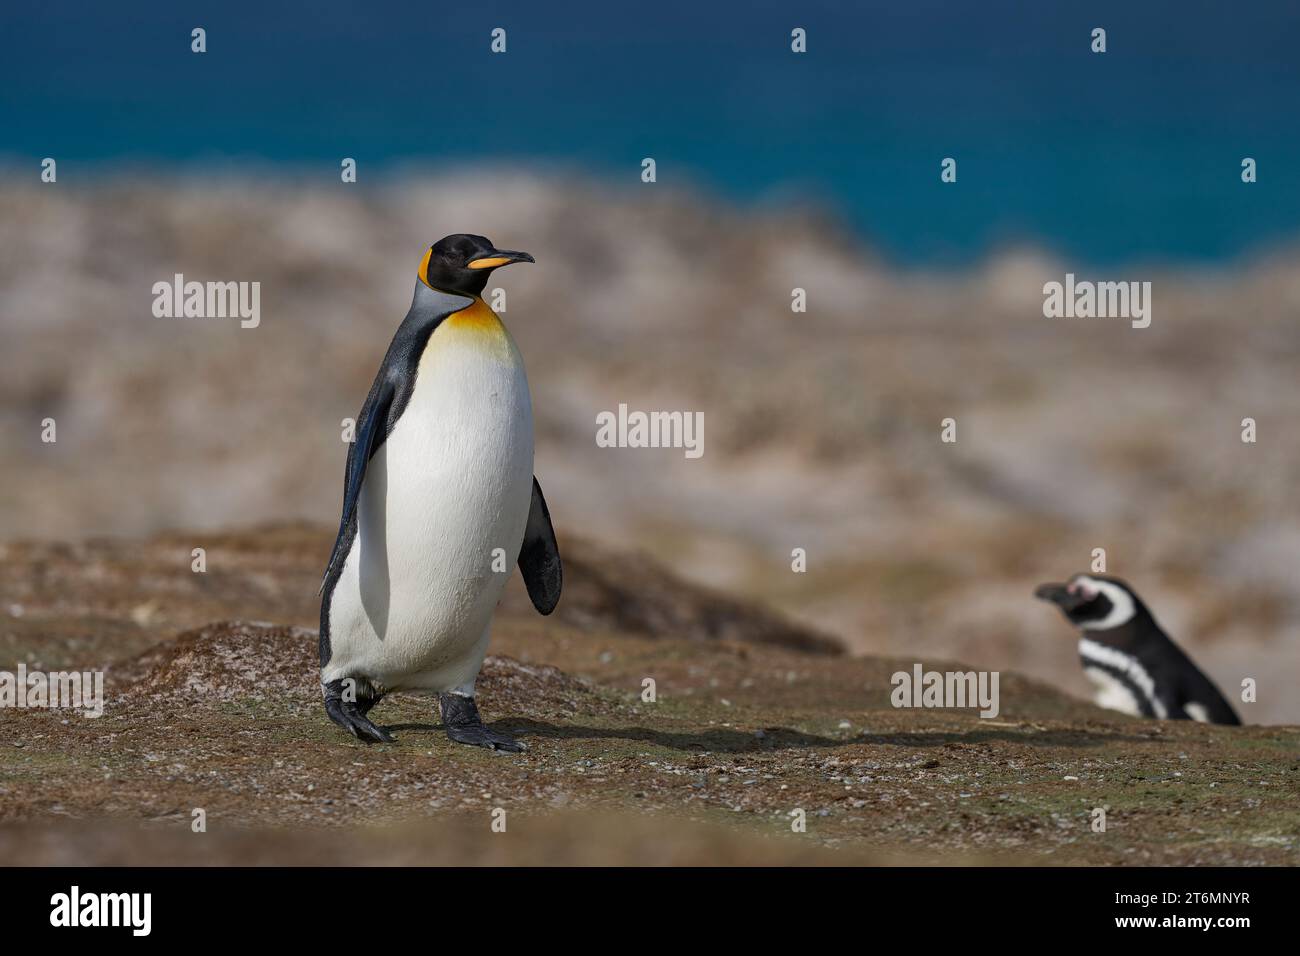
x=1132, y=155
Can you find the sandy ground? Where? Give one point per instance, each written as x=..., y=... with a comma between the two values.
x=755, y=718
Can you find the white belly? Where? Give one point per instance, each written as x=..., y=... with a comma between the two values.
x=440, y=519
x=1112, y=693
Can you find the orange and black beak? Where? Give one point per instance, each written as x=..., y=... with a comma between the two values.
x=497, y=258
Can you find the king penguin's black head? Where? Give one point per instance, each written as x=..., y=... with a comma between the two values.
x=462, y=263
x=1094, y=601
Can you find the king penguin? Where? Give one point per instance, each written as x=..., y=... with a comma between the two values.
x=1136, y=667
x=438, y=493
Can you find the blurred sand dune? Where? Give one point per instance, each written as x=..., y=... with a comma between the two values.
x=822, y=429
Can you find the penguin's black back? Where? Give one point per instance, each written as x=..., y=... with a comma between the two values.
x=1178, y=681
x=1195, y=688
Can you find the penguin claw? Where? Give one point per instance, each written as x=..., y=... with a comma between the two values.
x=464, y=726
x=352, y=718
x=371, y=733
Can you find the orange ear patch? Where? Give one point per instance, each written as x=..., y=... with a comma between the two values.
x=423, y=272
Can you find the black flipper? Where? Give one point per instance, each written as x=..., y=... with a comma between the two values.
x=370, y=434
x=539, y=557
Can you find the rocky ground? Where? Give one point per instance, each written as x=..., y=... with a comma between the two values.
x=213, y=705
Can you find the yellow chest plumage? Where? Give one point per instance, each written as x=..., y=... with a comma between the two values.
x=477, y=329
x=477, y=317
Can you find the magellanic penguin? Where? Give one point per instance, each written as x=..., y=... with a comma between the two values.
x=439, y=503
x=1136, y=667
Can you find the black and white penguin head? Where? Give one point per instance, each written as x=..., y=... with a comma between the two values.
x=1094, y=602
x=461, y=263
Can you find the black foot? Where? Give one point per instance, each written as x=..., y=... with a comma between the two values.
x=460, y=717
x=351, y=715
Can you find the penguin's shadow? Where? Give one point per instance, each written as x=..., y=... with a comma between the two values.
x=725, y=740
